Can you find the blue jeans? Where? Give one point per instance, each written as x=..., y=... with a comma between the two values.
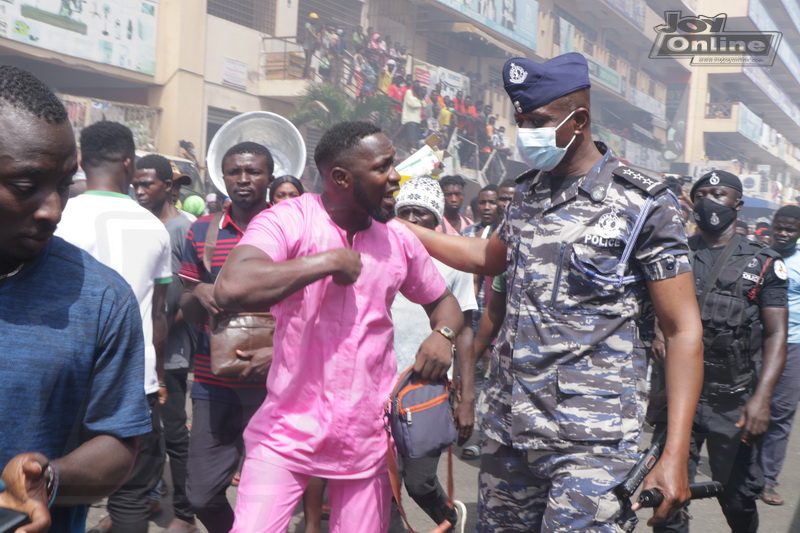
x=784, y=404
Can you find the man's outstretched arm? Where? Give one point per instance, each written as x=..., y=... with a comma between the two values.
x=676, y=307
x=252, y=281
x=467, y=254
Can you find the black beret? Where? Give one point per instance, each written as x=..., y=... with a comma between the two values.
x=717, y=177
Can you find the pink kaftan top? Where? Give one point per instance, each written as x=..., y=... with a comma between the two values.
x=334, y=364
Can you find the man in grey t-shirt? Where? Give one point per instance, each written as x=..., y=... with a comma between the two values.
x=152, y=185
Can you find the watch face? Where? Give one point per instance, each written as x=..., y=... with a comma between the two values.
x=447, y=332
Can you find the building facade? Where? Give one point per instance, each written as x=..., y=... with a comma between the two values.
x=178, y=69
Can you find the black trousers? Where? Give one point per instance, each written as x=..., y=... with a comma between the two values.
x=422, y=484
x=733, y=463
x=215, y=449
x=129, y=506
x=176, y=439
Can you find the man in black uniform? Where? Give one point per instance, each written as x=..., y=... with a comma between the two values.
x=742, y=292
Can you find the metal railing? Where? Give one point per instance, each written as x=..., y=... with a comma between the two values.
x=283, y=58
x=719, y=109
x=280, y=58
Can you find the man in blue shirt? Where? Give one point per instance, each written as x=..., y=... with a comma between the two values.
x=71, y=368
x=785, y=232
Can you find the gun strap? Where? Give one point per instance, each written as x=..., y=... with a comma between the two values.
x=717, y=270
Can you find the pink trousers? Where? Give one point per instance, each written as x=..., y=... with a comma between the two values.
x=268, y=496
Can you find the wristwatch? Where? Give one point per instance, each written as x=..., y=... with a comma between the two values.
x=448, y=333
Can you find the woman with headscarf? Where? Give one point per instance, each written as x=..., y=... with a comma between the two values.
x=375, y=50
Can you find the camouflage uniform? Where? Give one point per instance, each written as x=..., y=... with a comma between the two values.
x=568, y=373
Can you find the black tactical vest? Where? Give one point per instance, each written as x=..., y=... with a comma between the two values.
x=731, y=326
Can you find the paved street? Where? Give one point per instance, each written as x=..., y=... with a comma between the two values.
x=707, y=518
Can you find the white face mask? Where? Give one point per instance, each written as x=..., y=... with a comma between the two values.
x=537, y=146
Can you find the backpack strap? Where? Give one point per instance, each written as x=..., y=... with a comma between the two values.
x=211, y=241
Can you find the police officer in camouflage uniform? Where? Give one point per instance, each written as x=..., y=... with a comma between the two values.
x=586, y=243
x=741, y=286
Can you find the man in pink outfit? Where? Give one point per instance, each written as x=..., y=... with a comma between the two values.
x=329, y=266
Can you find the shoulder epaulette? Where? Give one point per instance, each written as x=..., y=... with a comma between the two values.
x=651, y=186
x=769, y=252
x=755, y=246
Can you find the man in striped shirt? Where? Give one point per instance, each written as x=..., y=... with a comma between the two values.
x=221, y=406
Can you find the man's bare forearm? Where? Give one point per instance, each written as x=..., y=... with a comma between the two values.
x=251, y=281
x=490, y=323
x=679, y=318
x=94, y=470
x=773, y=350
x=160, y=328
x=193, y=310
x=465, y=358
x=684, y=375
x=675, y=304
x=445, y=312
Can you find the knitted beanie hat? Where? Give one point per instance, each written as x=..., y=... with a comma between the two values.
x=423, y=191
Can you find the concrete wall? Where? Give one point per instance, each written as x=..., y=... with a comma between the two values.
x=180, y=69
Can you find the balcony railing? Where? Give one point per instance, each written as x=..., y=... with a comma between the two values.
x=284, y=58
x=719, y=109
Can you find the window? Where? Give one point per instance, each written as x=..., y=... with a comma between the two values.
x=588, y=46
x=437, y=54
x=616, y=50
x=256, y=14
x=346, y=13
x=586, y=29
x=495, y=73
x=556, y=29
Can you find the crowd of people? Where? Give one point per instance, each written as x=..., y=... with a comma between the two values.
x=373, y=59
x=380, y=67
x=424, y=111
x=571, y=281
